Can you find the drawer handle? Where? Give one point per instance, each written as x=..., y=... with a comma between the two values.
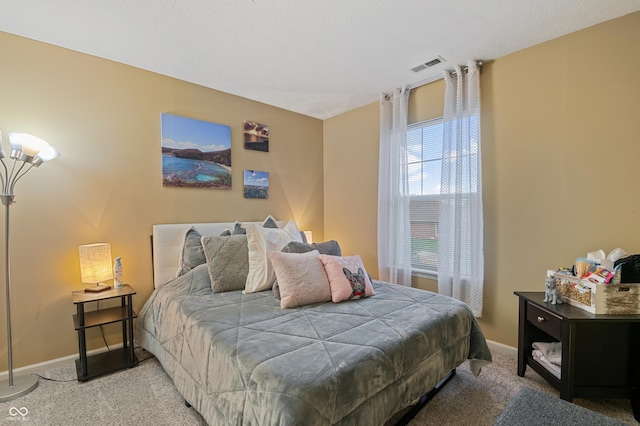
x=541, y=319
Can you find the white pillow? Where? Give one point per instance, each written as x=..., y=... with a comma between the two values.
x=259, y=241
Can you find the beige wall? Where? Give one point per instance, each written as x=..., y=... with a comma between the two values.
x=560, y=161
x=104, y=118
x=560, y=147
x=351, y=171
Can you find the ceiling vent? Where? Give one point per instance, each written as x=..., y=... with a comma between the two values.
x=433, y=62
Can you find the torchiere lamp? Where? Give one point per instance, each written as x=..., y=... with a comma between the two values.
x=27, y=152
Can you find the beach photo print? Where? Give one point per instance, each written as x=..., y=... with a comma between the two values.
x=195, y=153
x=256, y=184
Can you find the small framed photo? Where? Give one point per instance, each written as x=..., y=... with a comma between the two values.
x=256, y=184
x=256, y=136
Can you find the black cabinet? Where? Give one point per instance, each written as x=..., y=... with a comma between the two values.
x=600, y=353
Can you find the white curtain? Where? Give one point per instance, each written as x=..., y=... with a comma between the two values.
x=394, y=231
x=460, y=238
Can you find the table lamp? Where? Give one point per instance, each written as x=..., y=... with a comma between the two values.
x=95, y=266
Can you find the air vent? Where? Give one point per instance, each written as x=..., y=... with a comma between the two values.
x=428, y=64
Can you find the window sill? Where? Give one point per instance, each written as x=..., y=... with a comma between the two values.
x=422, y=273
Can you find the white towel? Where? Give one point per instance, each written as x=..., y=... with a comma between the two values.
x=552, y=351
x=552, y=368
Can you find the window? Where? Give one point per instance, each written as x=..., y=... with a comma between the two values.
x=424, y=152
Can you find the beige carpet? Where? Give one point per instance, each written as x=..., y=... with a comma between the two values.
x=469, y=400
x=144, y=395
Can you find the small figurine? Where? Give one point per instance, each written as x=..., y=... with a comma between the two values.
x=551, y=293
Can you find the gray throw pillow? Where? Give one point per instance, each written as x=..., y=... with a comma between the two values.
x=192, y=254
x=328, y=247
x=227, y=262
x=269, y=222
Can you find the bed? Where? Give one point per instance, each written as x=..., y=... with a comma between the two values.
x=241, y=359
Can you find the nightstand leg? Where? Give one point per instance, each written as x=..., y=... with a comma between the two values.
x=82, y=342
x=522, y=337
x=129, y=322
x=124, y=324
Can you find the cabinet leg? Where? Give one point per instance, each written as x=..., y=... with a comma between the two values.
x=635, y=403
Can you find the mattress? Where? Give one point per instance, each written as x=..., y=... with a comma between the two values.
x=240, y=359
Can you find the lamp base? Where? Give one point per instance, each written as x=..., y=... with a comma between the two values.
x=22, y=385
x=97, y=288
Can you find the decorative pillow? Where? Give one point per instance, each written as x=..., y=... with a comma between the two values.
x=269, y=222
x=192, y=254
x=347, y=277
x=227, y=261
x=328, y=247
x=260, y=241
x=302, y=278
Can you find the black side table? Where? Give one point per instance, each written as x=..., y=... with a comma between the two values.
x=600, y=353
x=110, y=361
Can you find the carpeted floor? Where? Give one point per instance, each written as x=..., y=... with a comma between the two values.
x=144, y=395
x=531, y=407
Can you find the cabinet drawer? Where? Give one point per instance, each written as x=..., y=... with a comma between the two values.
x=545, y=321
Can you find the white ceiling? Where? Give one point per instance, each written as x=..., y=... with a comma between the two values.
x=318, y=58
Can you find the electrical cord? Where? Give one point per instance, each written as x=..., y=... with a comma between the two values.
x=102, y=330
x=140, y=361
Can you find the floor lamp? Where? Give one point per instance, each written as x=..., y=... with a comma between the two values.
x=27, y=152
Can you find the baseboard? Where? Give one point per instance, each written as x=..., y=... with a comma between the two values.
x=505, y=349
x=41, y=367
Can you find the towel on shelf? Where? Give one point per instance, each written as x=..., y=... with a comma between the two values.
x=552, y=351
x=542, y=360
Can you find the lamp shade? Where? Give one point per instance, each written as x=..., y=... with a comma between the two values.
x=95, y=263
x=2, y=154
x=308, y=235
x=31, y=149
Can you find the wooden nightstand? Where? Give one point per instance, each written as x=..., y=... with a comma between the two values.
x=110, y=361
x=600, y=352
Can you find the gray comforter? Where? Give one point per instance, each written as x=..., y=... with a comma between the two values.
x=241, y=360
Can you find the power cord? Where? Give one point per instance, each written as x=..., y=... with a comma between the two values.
x=140, y=361
x=102, y=330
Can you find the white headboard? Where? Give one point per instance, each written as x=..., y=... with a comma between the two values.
x=167, y=245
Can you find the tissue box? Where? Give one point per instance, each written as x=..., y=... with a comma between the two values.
x=598, y=298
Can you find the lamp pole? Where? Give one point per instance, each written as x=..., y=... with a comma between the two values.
x=11, y=389
x=7, y=200
x=30, y=151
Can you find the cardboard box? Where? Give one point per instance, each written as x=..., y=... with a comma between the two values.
x=598, y=298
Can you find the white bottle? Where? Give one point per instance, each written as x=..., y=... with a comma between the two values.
x=117, y=273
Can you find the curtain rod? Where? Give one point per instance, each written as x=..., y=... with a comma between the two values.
x=479, y=63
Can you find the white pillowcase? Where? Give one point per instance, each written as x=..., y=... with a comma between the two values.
x=259, y=241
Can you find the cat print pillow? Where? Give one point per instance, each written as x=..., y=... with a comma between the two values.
x=347, y=277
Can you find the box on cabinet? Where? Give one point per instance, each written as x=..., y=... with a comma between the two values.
x=598, y=298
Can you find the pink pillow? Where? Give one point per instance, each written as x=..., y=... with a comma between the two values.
x=347, y=277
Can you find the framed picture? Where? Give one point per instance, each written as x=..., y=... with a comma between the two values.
x=256, y=184
x=256, y=136
x=195, y=153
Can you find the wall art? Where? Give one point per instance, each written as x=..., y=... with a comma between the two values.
x=256, y=184
x=195, y=153
x=256, y=136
